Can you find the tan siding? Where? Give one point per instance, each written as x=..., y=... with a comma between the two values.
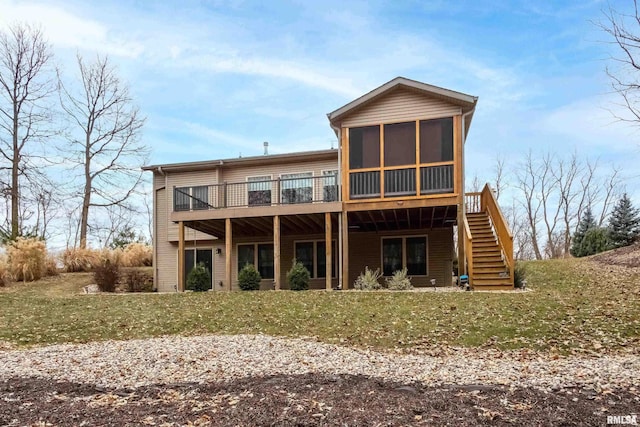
x=365, y=251
x=401, y=105
x=165, y=261
x=241, y=174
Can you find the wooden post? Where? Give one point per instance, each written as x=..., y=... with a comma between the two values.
x=462, y=265
x=276, y=252
x=228, y=239
x=345, y=250
x=328, y=249
x=180, y=256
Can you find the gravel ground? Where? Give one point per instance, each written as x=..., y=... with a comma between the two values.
x=262, y=380
x=200, y=359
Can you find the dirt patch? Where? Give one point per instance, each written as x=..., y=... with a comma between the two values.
x=629, y=256
x=307, y=400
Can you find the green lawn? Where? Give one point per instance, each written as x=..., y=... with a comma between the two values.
x=574, y=306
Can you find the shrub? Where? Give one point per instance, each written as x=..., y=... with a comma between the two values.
x=368, y=281
x=75, y=260
x=298, y=277
x=106, y=275
x=51, y=266
x=399, y=281
x=27, y=258
x=5, y=274
x=249, y=278
x=519, y=275
x=137, y=280
x=199, y=279
x=137, y=255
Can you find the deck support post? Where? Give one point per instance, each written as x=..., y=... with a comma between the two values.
x=276, y=252
x=462, y=264
x=345, y=250
x=228, y=239
x=328, y=249
x=180, y=256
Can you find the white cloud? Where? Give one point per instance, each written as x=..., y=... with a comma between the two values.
x=67, y=30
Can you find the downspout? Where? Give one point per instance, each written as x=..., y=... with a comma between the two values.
x=338, y=132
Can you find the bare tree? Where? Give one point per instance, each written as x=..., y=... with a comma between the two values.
x=105, y=144
x=499, y=172
x=24, y=116
x=528, y=182
x=624, y=29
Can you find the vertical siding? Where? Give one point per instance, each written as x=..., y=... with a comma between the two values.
x=401, y=105
x=365, y=251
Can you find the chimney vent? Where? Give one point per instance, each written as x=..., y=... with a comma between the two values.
x=266, y=148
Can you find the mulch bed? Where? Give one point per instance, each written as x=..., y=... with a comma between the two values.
x=308, y=400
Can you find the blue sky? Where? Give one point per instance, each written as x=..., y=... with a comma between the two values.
x=217, y=78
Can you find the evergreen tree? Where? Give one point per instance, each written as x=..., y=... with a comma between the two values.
x=624, y=223
x=587, y=222
x=595, y=240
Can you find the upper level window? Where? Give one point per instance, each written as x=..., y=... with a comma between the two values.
x=330, y=186
x=297, y=187
x=436, y=140
x=190, y=198
x=364, y=147
x=259, y=190
x=400, y=144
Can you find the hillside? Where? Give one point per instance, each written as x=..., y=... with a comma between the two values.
x=628, y=256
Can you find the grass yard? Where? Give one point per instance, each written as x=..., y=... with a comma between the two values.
x=574, y=306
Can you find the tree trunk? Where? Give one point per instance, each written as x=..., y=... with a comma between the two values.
x=15, y=179
x=86, y=196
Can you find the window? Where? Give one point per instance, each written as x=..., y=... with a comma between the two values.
x=364, y=147
x=259, y=190
x=192, y=257
x=330, y=186
x=190, y=198
x=297, y=187
x=436, y=140
x=258, y=254
x=400, y=144
x=313, y=256
x=401, y=252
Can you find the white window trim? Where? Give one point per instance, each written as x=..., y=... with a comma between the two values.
x=255, y=256
x=246, y=179
x=404, y=251
x=314, y=274
x=313, y=198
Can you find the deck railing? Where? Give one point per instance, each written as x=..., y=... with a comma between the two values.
x=399, y=182
x=285, y=191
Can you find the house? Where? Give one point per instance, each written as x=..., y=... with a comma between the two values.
x=389, y=197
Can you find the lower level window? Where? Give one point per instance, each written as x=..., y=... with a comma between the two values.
x=405, y=252
x=258, y=254
x=314, y=257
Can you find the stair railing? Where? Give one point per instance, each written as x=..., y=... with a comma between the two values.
x=489, y=204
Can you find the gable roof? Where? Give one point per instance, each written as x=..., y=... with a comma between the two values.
x=466, y=102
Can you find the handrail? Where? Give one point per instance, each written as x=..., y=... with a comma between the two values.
x=472, y=202
x=503, y=233
x=468, y=250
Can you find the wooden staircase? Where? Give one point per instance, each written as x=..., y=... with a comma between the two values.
x=489, y=269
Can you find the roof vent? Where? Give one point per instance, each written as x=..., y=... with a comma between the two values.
x=266, y=148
